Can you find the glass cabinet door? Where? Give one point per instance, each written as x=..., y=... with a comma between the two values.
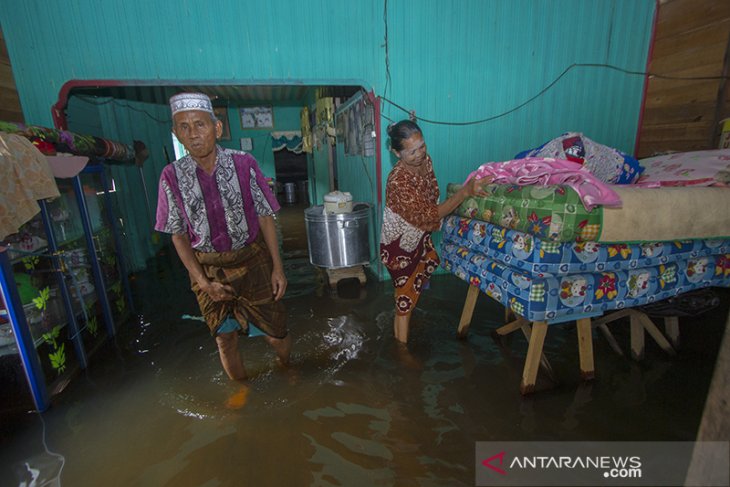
x=65, y=218
x=107, y=241
x=107, y=272
x=33, y=269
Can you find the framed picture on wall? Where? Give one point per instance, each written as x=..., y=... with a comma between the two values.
x=261, y=117
x=247, y=144
x=221, y=113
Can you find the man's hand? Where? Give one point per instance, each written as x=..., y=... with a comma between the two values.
x=278, y=283
x=219, y=292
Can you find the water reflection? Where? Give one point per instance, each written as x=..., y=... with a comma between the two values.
x=354, y=408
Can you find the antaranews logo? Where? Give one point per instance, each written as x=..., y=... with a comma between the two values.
x=488, y=462
x=598, y=463
x=615, y=467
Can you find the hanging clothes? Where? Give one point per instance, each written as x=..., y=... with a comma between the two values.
x=25, y=177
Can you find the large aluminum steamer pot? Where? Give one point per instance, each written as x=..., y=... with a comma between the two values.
x=338, y=240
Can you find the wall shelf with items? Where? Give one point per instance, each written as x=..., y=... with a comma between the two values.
x=64, y=287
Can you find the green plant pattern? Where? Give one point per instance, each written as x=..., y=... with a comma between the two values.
x=91, y=323
x=58, y=355
x=42, y=300
x=58, y=359
x=30, y=262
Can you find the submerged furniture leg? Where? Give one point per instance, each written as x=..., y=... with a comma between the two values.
x=468, y=311
x=509, y=315
x=671, y=328
x=532, y=361
x=650, y=327
x=609, y=338
x=510, y=327
x=544, y=363
x=637, y=337
x=611, y=317
x=585, y=349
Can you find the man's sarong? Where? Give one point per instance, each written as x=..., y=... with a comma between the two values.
x=410, y=270
x=248, y=271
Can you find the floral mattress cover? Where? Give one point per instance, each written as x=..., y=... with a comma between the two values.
x=544, y=281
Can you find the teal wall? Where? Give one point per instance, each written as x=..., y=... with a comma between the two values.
x=129, y=121
x=449, y=60
x=285, y=118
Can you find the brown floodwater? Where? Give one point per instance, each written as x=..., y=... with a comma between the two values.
x=353, y=409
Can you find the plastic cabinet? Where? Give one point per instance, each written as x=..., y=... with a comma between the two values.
x=64, y=289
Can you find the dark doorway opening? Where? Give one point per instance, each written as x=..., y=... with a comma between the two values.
x=291, y=176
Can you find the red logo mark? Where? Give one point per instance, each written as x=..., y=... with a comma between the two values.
x=487, y=463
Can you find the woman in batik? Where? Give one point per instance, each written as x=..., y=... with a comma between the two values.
x=412, y=212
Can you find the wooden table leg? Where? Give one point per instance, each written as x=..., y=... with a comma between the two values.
x=671, y=328
x=610, y=338
x=509, y=315
x=637, y=337
x=510, y=327
x=532, y=361
x=544, y=363
x=615, y=315
x=650, y=327
x=468, y=311
x=585, y=349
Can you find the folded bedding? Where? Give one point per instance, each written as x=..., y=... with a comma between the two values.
x=646, y=215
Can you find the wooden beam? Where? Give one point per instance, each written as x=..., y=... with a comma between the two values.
x=534, y=353
x=585, y=348
x=468, y=311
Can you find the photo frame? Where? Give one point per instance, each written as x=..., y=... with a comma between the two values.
x=259, y=117
x=221, y=113
x=246, y=144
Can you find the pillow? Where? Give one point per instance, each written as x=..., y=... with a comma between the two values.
x=607, y=164
x=698, y=168
x=631, y=170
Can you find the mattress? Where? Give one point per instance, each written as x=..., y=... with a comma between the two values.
x=586, y=292
x=540, y=258
x=556, y=213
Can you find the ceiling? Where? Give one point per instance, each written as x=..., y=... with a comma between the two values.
x=224, y=95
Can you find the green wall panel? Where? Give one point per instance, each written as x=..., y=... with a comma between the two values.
x=449, y=61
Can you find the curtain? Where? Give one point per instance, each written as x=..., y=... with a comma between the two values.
x=291, y=141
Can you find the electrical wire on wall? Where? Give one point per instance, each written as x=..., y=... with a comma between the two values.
x=548, y=87
x=385, y=44
x=96, y=101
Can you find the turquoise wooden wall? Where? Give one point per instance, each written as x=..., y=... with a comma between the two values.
x=449, y=60
x=285, y=118
x=129, y=121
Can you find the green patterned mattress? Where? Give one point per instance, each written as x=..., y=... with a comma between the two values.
x=646, y=215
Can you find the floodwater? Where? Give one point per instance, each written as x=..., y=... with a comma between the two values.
x=354, y=408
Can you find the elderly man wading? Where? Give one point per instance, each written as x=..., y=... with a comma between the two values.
x=216, y=204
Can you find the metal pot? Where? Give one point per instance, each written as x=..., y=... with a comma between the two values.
x=338, y=240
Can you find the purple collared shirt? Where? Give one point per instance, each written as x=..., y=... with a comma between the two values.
x=218, y=211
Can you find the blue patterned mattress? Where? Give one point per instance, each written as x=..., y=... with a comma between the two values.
x=554, y=282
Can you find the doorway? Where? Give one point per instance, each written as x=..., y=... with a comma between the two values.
x=291, y=177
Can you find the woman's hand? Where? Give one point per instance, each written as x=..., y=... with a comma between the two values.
x=473, y=187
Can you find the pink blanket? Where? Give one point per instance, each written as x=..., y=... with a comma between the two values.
x=545, y=172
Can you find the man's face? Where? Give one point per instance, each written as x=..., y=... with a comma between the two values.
x=197, y=132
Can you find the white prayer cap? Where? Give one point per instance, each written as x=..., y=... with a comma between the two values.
x=183, y=102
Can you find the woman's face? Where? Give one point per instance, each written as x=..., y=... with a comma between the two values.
x=413, y=152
